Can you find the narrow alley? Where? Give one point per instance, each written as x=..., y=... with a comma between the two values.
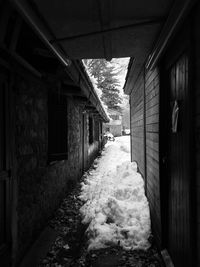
x=74, y=74
x=105, y=220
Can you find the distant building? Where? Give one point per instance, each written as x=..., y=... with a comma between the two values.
x=125, y=120
x=115, y=124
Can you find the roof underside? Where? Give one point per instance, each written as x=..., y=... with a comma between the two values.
x=98, y=28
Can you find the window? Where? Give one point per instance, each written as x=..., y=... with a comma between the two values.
x=91, y=130
x=96, y=130
x=57, y=127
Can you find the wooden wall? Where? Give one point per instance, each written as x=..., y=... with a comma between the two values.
x=145, y=144
x=152, y=87
x=137, y=123
x=197, y=123
x=145, y=139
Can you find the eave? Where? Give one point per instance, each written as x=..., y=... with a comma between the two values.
x=175, y=19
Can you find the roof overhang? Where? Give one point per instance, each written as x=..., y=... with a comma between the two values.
x=176, y=16
x=86, y=85
x=76, y=29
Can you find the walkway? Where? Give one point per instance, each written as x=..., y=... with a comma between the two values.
x=105, y=220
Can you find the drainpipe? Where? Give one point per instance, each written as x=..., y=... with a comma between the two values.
x=42, y=31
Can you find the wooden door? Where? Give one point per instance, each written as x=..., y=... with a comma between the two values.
x=4, y=174
x=178, y=146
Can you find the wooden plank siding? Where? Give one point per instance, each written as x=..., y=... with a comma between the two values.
x=137, y=124
x=145, y=139
x=152, y=88
x=147, y=144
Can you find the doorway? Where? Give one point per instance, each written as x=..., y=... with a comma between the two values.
x=176, y=143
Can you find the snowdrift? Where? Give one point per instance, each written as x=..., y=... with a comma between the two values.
x=116, y=207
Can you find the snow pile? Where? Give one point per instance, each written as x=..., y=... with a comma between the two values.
x=115, y=208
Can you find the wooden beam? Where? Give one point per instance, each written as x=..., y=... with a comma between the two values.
x=4, y=18
x=37, y=22
x=137, y=23
x=179, y=12
x=104, y=12
x=15, y=34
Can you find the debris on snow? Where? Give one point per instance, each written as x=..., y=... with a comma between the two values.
x=116, y=207
x=72, y=234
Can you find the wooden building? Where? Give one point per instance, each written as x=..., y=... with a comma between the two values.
x=164, y=100
x=50, y=132
x=114, y=126
x=41, y=51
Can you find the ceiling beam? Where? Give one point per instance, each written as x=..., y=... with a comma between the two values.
x=137, y=23
x=104, y=13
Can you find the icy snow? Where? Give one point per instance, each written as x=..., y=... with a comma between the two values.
x=116, y=207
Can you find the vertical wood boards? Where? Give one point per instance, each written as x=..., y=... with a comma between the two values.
x=137, y=124
x=145, y=139
x=196, y=102
x=176, y=146
x=152, y=94
x=179, y=169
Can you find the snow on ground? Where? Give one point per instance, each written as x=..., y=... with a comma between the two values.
x=115, y=208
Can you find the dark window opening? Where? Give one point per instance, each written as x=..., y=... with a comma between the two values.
x=91, y=130
x=57, y=127
x=101, y=130
x=96, y=130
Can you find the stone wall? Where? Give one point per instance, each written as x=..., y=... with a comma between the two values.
x=41, y=186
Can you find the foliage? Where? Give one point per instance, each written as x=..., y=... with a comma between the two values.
x=107, y=81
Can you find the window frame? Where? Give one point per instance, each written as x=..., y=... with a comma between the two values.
x=91, y=129
x=57, y=127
